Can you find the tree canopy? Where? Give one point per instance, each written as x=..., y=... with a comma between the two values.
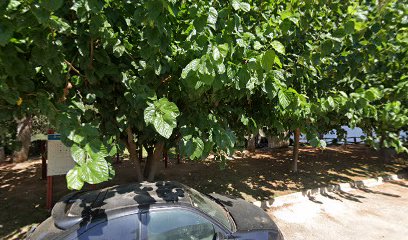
x=201, y=74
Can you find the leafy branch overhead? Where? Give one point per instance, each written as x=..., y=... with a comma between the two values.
x=201, y=75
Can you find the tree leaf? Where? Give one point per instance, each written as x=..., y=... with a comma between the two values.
x=326, y=47
x=223, y=49
x=212, y=17
x=278, y=46
x=74, y=180
x=51, y=5
x=118, y=49
x=13, y=4
x=78, y=154
x=198, y=148
x=244, y=120
x=192, y=66
x=277, y=61
x=323, y=143
x=349, y=27
x=236, y=4
x=245, y=6
x=95, y=170
x=162, y=115
x=216, y=53
x=330, y=100
x=283, y=99
x=207, y=79
x=257, y=45
x=6, y=32
x=271, y=88
x=268, y=59
x=372, y=94
x=192, y=147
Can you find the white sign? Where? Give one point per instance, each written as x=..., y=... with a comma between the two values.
x=59, y=156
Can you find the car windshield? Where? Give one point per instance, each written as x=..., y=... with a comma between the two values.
x=210, y=207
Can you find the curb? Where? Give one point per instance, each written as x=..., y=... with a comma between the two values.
x=311, y=193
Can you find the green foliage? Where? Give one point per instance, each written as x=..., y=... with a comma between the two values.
x=200, y=74
x=162, y=115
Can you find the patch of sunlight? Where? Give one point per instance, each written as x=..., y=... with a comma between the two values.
x=332, y=207
x=24, y=165
x=265, y=189
x=21, y=232
x=5, y=185
x=291, y=214
x=229, y=187
x=39, y=136
x=247, y=197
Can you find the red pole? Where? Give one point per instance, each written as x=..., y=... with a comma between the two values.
x=49, y=192
x=178, y=158
x=43, y=160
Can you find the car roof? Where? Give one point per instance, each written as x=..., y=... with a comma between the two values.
x=78, y=206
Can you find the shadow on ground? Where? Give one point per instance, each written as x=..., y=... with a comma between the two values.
x=262, y=175
x=266, y=174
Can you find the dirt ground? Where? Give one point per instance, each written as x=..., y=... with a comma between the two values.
x=262, y=175
x=365, y=214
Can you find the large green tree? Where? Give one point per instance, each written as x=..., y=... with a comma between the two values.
x=200, y=75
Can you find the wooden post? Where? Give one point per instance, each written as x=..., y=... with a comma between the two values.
x=296, y=150
x=49, y=192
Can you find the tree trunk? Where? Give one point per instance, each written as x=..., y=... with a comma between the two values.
x=157, y=154
x=24, y=127
x=2, y=154
x=131, y=146
x=382, y=139
x=140, y=152
x=251, y=143
x=296, y=150
x=148, y=162
x=178, y=155
x=388, y=154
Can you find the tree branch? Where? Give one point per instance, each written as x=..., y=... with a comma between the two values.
x=71, y=67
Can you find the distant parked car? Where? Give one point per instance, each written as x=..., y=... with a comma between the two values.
x=155, y=211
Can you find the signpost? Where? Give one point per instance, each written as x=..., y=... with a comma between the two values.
x=59, y=162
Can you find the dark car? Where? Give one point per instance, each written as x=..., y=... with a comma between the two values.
x=154, y=211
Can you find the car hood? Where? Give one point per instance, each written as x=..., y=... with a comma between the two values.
x=247, y=216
